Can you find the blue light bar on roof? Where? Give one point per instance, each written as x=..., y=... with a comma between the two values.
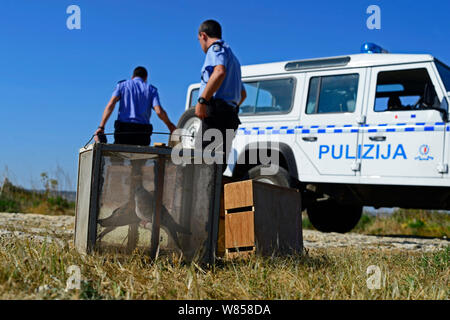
x=369, y=47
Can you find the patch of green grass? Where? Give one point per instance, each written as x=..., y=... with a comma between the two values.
x=88, y=291
x=8, y=205
x=365, y=222
x=416, y=224
x=439, y=261
x=306, y=224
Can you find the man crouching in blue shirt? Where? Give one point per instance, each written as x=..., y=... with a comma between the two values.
x=137, y=99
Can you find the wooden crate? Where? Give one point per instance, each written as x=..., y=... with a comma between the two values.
x=262, y=218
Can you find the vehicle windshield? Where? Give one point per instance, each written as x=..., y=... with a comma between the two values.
x=444, y=72
x=194, y=97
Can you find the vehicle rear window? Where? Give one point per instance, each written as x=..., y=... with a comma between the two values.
x=332, y=94
x=268, y=96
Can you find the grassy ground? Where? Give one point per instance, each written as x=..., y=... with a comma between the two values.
x=407, y=222
x=32, y=270
x=410, y=222
x=319, y=274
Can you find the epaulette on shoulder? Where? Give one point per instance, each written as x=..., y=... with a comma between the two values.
x=217, y=47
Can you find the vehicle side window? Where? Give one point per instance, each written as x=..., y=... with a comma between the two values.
x=332, y=94
x=403, y=90
x=268, y=96
x=194, y=97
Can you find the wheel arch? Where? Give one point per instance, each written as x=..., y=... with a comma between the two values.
x=286, y=159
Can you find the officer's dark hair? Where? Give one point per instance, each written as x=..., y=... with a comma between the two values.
x=140, y=72
x=212, y=28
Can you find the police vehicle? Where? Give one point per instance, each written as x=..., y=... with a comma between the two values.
x=369, y=129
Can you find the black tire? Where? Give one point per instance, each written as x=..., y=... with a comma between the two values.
x=330, y=216
x=281, y=178
x=185, y=122
x=189, y=113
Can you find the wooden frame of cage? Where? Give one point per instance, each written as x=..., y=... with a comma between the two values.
x=86, y=235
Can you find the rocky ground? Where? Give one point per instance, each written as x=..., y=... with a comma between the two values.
x=60, y=229
x=37, y=227
x=316, y=239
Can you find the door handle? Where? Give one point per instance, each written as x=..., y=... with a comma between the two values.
x=309, y=139
x=378, y=138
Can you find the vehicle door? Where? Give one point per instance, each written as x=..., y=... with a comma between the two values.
x=403, y=136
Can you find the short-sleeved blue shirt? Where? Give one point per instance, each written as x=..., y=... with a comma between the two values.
x=137, y=99
x=219, y=53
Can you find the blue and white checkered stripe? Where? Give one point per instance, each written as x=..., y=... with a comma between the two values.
x=404, y=127
x=348, y=128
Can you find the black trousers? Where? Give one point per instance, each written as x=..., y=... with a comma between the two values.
x=132, y=133
x=221, y=116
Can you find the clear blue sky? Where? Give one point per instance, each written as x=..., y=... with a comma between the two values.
x=55, y=82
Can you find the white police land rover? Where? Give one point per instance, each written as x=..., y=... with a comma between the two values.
x=368, y=129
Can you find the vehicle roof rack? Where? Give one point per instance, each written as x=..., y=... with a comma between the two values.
x=317, y=63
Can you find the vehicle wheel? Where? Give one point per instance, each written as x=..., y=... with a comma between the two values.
x=191, y=124
x=281, y=178
x=329, y=216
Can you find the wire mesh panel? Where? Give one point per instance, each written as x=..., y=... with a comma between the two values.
x=148, y=203
x=126, y=201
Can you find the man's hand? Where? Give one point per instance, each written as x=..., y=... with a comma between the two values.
x=106, y=114
x=172, y=127
x=97, y=132
x=200, y=110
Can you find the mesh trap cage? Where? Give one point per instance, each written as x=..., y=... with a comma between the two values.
x=133, y=197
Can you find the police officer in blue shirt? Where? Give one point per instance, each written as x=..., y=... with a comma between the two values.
x=221, y=90
x=137, y=100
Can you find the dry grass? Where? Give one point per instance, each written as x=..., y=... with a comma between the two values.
x=320, y=274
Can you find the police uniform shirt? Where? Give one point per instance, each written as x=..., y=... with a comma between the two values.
x=137, y=98
x=219, y=53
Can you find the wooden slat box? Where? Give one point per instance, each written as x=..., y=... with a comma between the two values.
x=262, y=217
